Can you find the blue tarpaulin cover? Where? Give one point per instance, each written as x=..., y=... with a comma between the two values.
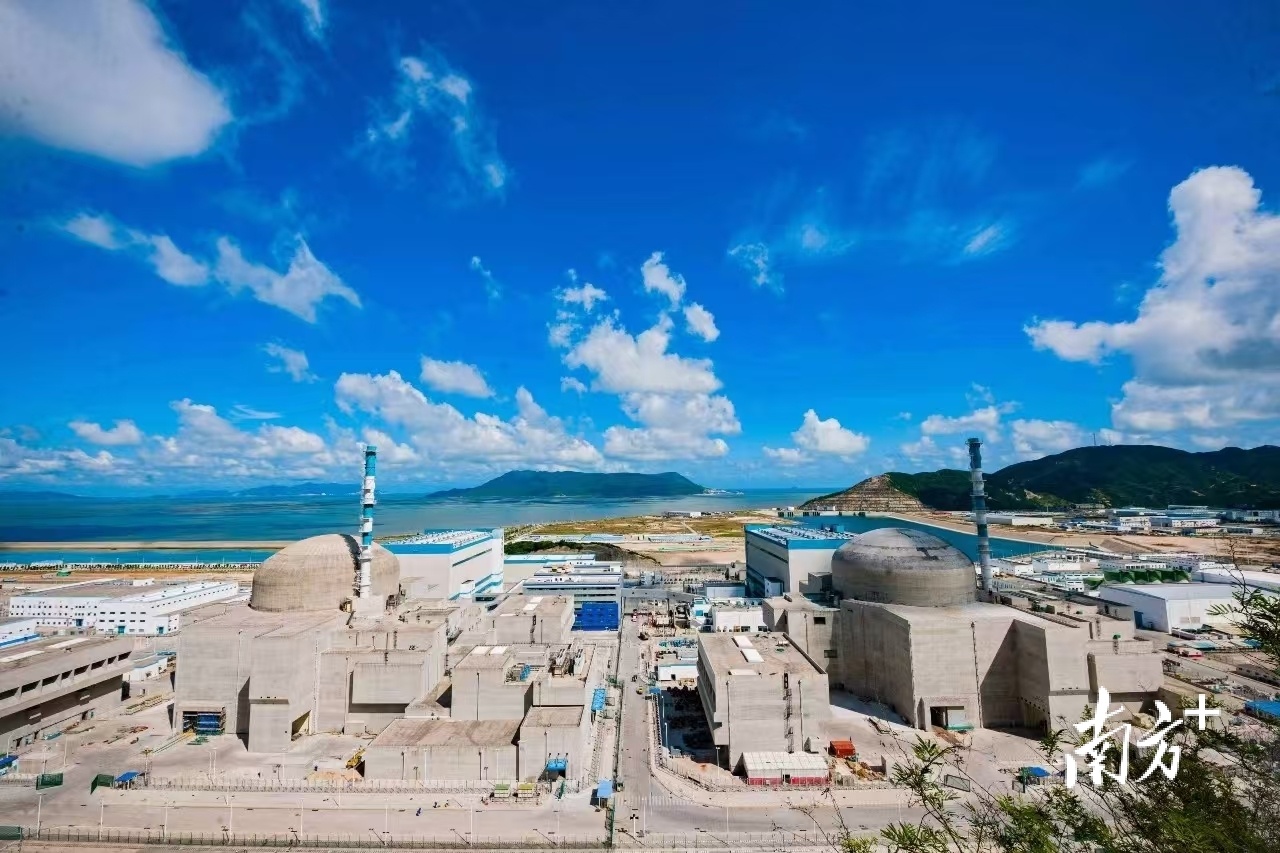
x=1038, y=772
x=7, y=760
x=605, y=789
x=558, y=764
x=597, y=699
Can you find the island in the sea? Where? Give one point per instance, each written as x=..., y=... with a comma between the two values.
x=533, y=485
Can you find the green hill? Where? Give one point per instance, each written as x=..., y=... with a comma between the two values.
x=1124, y=475
x=529, y=485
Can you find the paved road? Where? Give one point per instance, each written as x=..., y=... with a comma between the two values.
x=633, y=768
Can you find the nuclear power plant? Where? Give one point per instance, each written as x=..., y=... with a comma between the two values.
x=329, y=642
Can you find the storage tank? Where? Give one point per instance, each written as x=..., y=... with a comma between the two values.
x=896, y=565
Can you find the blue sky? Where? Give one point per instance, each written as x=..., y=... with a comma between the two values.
x=758, y=243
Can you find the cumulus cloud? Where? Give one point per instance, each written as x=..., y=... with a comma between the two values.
x=659, y=278
x=101, y=77
x=1205, y=344
x=299, y=289
x=1035, y=438
x=818, y=437
x=454, y=377
x=754, y=258
x=122, y=434
x=587, y=295
x=701, y=322
x=625, y=364
x=787, y=455
x=439, y=431
x=291, y=361
x=985, y=420
x=571, y=383
x=429, y=88
x=19, y=462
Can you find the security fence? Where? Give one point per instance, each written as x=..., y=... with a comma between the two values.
x=370, y=840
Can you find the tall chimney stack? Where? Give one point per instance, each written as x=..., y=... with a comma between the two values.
x=979, y=496
x=365, y=582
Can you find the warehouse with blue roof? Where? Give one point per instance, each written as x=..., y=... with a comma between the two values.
x=449, y=563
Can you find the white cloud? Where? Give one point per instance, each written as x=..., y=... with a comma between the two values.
x=828, y=437
x=570, y=383
x=657, y=277
x=904, y=416
x=240, y=412
x=987, y=240
x=787, y=455
x=587, y=296
x=701, y=322
x=438, y=431
x=625, y=364
x=1205, y=344
x=313, y=12
x=491, y=287
x=101, y=77
x=653, y=445
x=454, y=377
x=754, y=257
x=429, y=87
x=984, y=420
x=20, y=462
x=1035, y=438
x=299, y=289
x=291, y=361
x=97, y=230
x=157, y=250
x=123, y=433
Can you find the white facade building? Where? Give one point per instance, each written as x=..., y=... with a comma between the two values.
x=734, y=618
x=159, y=609
x=1183, y=522
x=1020, y=520
x=1168, y=606
x=596, y=581
x=17, y=628
x=1252, y=515
x=789, y=558
x=450, y=563
x=140, y=607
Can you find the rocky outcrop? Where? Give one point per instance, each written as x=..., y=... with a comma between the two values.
x=874, y=494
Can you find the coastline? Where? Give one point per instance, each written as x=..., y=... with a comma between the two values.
x=142, y=545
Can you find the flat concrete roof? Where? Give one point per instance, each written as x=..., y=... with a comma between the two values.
x=91, y=589
x=966, y=612
x=727, y=657
x=240, y=616
x=1174, y=591
x=796, y=602
x=523, y=605
x=38, y=651
x=550, y=716
x=485, y=657
x=406, y=732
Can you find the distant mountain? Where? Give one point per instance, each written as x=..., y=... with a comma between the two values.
x=294, y=490
x=1124, y=475
x=572, y=484
x=38, y=496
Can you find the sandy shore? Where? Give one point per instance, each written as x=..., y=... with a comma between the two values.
x=142, y=546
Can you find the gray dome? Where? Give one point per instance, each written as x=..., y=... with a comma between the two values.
x=319, y=573
x=899, y=565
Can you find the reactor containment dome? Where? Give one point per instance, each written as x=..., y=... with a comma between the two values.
x=897, y=565
x=320, y=573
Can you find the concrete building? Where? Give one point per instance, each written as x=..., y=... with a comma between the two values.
x=583, y=582
x=760, y=693
x=48, y=684
x=735, y=616
x=912, y=635
x=17, y=629
x=490, y=684
x=545, y=619
x=72, y=605
x=158, y=610
x=1166, y=606
x=551, y=740
x=1021, y=519
x=1183, y=522
x=466, y=750
x=1271, y=515
x=450, y=563
x=811, y=627
x=789, y=558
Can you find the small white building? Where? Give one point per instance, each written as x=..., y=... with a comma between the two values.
x=1183, y=522
x=597, y=581
x=737, y=617
x=1021, y=519
x=1168, y=606
x=146, y=668
x=450, y=563
x=15, y=629
x=678, y=671
x=1252, y=515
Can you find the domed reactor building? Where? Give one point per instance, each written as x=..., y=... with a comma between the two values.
x=911, y=629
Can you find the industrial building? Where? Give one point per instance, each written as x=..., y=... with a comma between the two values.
x=1012, y=519
x=811, y=627
x=583, y=582
x=735, y=616
x=450, y=563
x=760, y=693
x=784, y=558
x=913, y=635
x=520, y=619
x=1168, y=606
x=48, y=684
x=141, y=607
x=17, y=629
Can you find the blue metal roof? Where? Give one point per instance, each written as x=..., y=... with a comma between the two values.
x=597, y=699
x=1264, y=708
x=7, y=761
x=1038, y=772
x=605, y=789
x=127, y=776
